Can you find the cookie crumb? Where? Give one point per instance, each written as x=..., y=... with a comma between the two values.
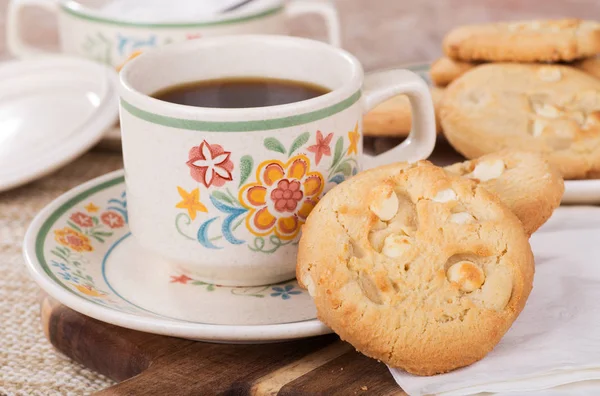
x=364, y=388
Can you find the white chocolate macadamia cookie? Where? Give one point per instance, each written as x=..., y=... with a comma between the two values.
x=550, y=109
x=526, y=41
x=417, y=267
x=590, y=65
x=393, y=117
x=445, y=70
x=526, y=183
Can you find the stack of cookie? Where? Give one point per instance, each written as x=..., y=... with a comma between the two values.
x=533, y=85
x=426, y=268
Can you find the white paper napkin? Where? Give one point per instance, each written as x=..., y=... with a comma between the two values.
x=556, y=339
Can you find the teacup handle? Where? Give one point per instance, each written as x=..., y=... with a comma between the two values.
x=326, y=10
x=381, y=86
x=16, y=45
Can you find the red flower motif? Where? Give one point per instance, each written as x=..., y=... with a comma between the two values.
x=76, y=241
x=322, y=147
x=210, y=164
x=112, y=219
x=192, y=36
x=183, y=279
x=287, y=195
x=82, y=220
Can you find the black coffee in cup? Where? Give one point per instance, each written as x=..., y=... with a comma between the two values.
x=240, y=92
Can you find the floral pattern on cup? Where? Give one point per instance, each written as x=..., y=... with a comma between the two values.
x=354, y=137
x=102, y=48
x=272, y=205
x=321, y=147
x=282, y=197
x=210, y=164
x=190, y=201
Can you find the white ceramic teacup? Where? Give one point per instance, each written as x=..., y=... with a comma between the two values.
x=204, y=185
x=86, y=30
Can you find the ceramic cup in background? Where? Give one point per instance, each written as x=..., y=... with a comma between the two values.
x=86, y=30
x=203, y=184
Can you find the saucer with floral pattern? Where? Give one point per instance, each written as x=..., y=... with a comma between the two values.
x=80, y=251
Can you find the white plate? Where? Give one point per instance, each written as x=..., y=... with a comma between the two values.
x=80, y=251
x=51, y=111
x=581, y=192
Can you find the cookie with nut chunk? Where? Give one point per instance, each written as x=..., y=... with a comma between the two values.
x=417, y=267
x=590, y=66
x=523, y=180
x=528, y=41
x=445, y=70
x=551, y=109
x=393, y=117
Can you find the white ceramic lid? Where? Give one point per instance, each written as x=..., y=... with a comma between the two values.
x=51, y=111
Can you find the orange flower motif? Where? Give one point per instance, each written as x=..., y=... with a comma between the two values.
x=354, y=137
x=282, y=197
x=89, y=290
x=73, y=239
x=134, y=54
x=191, y=202
x=91, y=208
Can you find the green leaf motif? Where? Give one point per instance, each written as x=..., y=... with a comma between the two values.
x=274, y=145
x=222, y=197
x=58, y=252
x=102, y=233
x=74, y=226
x=239, y=223
x=337, y=155
x=345, y=168
x=246, y=164
x=209, y=286
x=299, y=142
x=96, y=237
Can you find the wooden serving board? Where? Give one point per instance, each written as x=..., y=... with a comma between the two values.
x=149, y=364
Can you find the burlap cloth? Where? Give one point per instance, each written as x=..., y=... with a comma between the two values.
x=28, y=363
x=380, y=33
